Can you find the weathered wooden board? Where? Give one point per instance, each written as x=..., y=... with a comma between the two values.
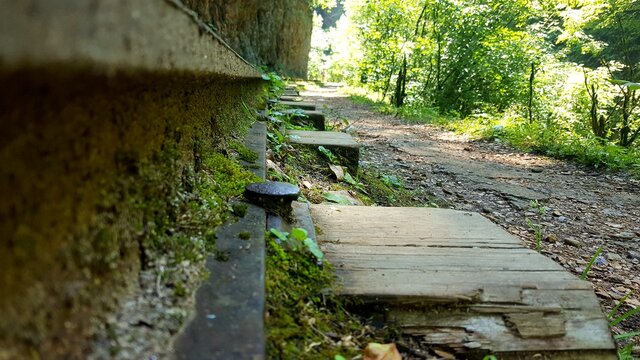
x=379, y=226
x=349, y=256
x=340, y=143
x=299, y=105
x=461, y=282
x=326, y=138
x=569, y=330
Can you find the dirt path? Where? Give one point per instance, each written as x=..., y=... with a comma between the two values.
x=578, y=209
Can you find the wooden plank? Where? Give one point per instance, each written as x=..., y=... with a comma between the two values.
x=407, y=227
x=434, y=258
x=299, y=105
x=490, y=285
x=340, y=143
x=461, y=282
x=330, y=138
x=583, y=330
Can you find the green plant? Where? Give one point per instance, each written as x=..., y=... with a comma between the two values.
x=615, y=320
x=277, y=140
x=276, y=83
x=490, y=357
x=626, y=353
x=296, y=240
x=537, y=230
x=537, y=207
x=392, y=180
x=300, y=310
x=328, y=154
x=586, y=270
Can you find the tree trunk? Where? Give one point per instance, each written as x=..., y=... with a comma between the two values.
x=401, y=83
x=531, y=79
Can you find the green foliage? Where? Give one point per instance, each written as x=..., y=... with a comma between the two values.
x=586, y=270
x=392, y=180
x=299, y=312
x=334, y=198
x=449, y=55
x=276, y=84
x=548, y=74
x=328, y=154
x=297, y=240
x=624, y=316
x=537, y=230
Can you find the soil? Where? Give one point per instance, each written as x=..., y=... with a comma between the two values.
x=578, y=209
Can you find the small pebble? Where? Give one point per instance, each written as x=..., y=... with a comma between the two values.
x=573, y=242
x=613, y=257
x=634, y=254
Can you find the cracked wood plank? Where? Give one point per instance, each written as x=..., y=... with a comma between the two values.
x=458, y=281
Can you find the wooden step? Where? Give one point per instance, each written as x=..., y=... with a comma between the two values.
x=291, y=91
x=299, y=105
x=340, y=143
x=291, y=98
x=229, y=318
x=460, y=282
x=313, y=118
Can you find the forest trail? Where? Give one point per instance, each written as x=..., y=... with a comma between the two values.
x=578, y=209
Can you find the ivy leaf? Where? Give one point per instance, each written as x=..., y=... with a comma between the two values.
x=299, y=234
x=337, y=199
x=349, y=179
x=282, y=236
x=392, y=180
x=313, y=248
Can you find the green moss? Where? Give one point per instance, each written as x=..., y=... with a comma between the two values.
x=239, y=209
x=244, y=235
x=244, y=153
x=381, y=193
x=227, y=177
x=298, y=310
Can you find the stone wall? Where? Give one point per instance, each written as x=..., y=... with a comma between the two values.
x=104, y=107
x=274, y=33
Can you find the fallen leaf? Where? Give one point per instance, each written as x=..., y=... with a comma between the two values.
x=336, y=198
x=375, y=351
x=337, y=171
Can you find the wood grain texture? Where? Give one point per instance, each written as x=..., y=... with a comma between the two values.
x=459, y=281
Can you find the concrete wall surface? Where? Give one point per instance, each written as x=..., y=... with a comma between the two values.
x=114, y=35
x=107, y=109
x=275, y=33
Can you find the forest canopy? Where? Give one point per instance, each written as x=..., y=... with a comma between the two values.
x=561, y=71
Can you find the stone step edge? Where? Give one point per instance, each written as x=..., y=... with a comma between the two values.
x=229, y=316
x=160, y=36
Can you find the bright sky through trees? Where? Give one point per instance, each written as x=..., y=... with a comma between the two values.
x=568, y=65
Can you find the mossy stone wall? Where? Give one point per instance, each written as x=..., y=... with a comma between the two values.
x=86, y=159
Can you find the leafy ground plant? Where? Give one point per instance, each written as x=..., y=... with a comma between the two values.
x=303, y=320
x=586, y=270
x=537, y=231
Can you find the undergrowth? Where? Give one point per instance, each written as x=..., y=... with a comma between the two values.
x=541, y=137
x=303, y=320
